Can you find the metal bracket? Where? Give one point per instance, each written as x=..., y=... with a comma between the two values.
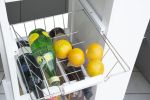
x=95, y=18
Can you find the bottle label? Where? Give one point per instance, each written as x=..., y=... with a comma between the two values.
x=48, y=56
x=39, y=59
x=33, y=37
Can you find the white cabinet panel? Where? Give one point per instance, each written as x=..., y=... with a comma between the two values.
x=128, y=22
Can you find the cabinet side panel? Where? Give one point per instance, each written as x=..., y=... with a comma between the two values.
x=125, y=31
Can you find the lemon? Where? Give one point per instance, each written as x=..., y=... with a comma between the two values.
x=95, y=67
x=62, y=48
x=76, y=57
x=94, y=51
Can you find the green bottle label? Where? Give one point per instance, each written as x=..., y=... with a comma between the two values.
x=48, y=56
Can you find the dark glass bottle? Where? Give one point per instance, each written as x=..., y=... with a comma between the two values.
x=68, y=69
x=29, y=80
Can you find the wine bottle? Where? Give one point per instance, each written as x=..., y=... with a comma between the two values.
x=24, y=66
x=42, y=49
x=57, y=32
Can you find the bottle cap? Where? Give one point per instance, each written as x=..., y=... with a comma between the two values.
x=54, y=80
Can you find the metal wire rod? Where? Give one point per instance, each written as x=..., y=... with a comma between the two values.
x=63, y=20
x=105, y=53
x=115, y=56
x=45, y=80
x=64, y=35
x=62, y=60
x=62, y=71
x=78, y=78
x=30, y=72
x=116, y=74
x=31, y=61
x=34, y=24
x=70, y=73
x=28, y=68
x=78, y=43
x=54, y=23
x=24, y=77
x=108, y=43
x=84, y=71
x=17, y=34
x=2, y=78
x=40, y=89
x=25, y=29
x=36, y=76
x=112, y=69
x=117, y=52
x=44, y=23
x=51, y=95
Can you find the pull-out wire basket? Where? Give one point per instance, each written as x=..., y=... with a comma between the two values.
x=113, y=62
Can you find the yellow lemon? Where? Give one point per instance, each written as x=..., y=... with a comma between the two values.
x=62, y=48
x=95, y=67
x=76, y=57
x=94, y=51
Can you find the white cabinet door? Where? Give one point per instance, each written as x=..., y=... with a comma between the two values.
x=126, y=29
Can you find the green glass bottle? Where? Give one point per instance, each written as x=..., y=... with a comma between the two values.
x=42, y=49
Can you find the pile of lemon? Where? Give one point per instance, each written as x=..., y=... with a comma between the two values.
x=94, y=54
x=76, y=57
x=63, y=50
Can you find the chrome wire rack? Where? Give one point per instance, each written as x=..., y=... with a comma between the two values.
x=113, y=62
